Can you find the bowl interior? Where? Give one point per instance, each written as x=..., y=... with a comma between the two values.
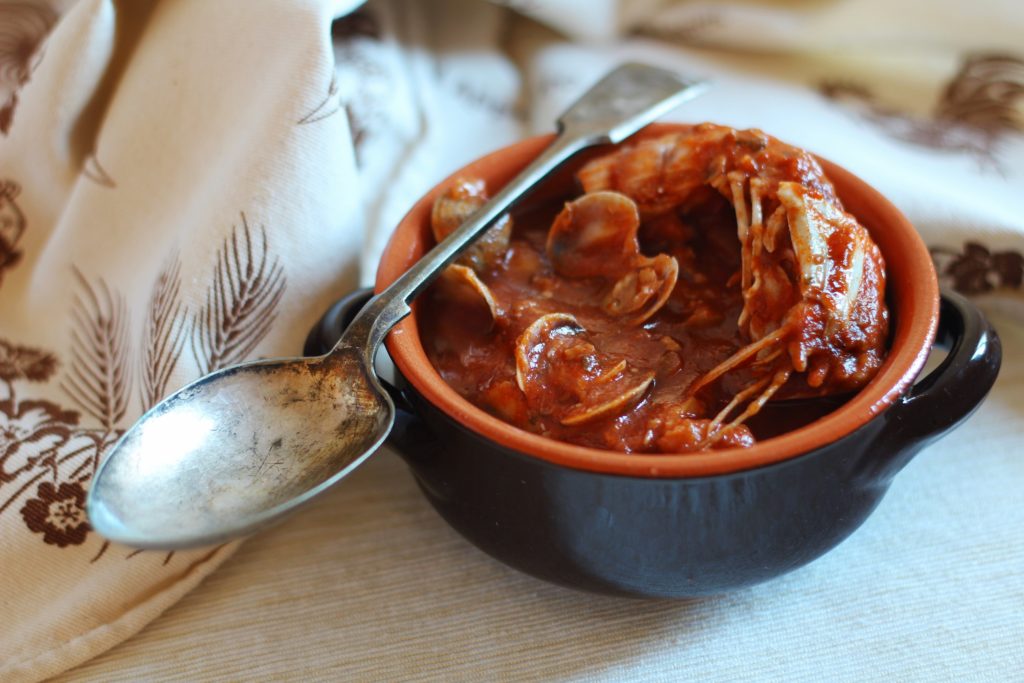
x=912, y=291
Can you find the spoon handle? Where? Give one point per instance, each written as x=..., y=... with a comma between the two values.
x=621, y=103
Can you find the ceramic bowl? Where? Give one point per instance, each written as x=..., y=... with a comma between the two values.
x=686, y=524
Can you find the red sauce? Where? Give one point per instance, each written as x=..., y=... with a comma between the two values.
x=561, y=353
x=691, y=334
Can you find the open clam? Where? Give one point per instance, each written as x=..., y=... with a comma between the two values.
x=614, y=401
x=536, y=346
x=461, y=286
x=458, y=202
x=562, y=374
x=640, y=293
x=596, y=236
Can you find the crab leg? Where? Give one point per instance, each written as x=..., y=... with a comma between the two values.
x=737, y=359
x=753, y=408
x=736, y=401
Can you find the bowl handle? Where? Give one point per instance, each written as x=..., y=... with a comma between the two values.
x=325, y=333
x=950, y=393
x=408, y=429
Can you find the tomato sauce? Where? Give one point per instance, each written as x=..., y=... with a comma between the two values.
x=695, y=331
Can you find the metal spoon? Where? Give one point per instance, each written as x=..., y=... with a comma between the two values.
x=243, y=446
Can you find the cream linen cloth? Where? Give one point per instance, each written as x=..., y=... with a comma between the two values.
x=169, y=205
x=187, y=183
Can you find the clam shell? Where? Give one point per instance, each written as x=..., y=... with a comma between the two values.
x=641, y=293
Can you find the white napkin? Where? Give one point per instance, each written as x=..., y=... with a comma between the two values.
x=161, y=160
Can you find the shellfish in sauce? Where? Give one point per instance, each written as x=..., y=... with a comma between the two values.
x=697, y=275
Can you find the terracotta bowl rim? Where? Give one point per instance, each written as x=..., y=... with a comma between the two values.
x=914, y=299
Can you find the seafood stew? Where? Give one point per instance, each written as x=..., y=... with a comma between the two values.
x=697, y=275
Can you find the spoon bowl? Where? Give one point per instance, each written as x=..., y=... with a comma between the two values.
x=238, y=448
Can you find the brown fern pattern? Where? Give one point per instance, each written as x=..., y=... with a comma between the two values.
x=165, y=333
x=974, y=113
x=23, y=28
x=241, y=303
x=984, y=93
x=99, y=375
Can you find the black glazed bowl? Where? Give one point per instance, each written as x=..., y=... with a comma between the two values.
x=683, y=525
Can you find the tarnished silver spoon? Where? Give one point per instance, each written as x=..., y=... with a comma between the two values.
x=243, y=446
